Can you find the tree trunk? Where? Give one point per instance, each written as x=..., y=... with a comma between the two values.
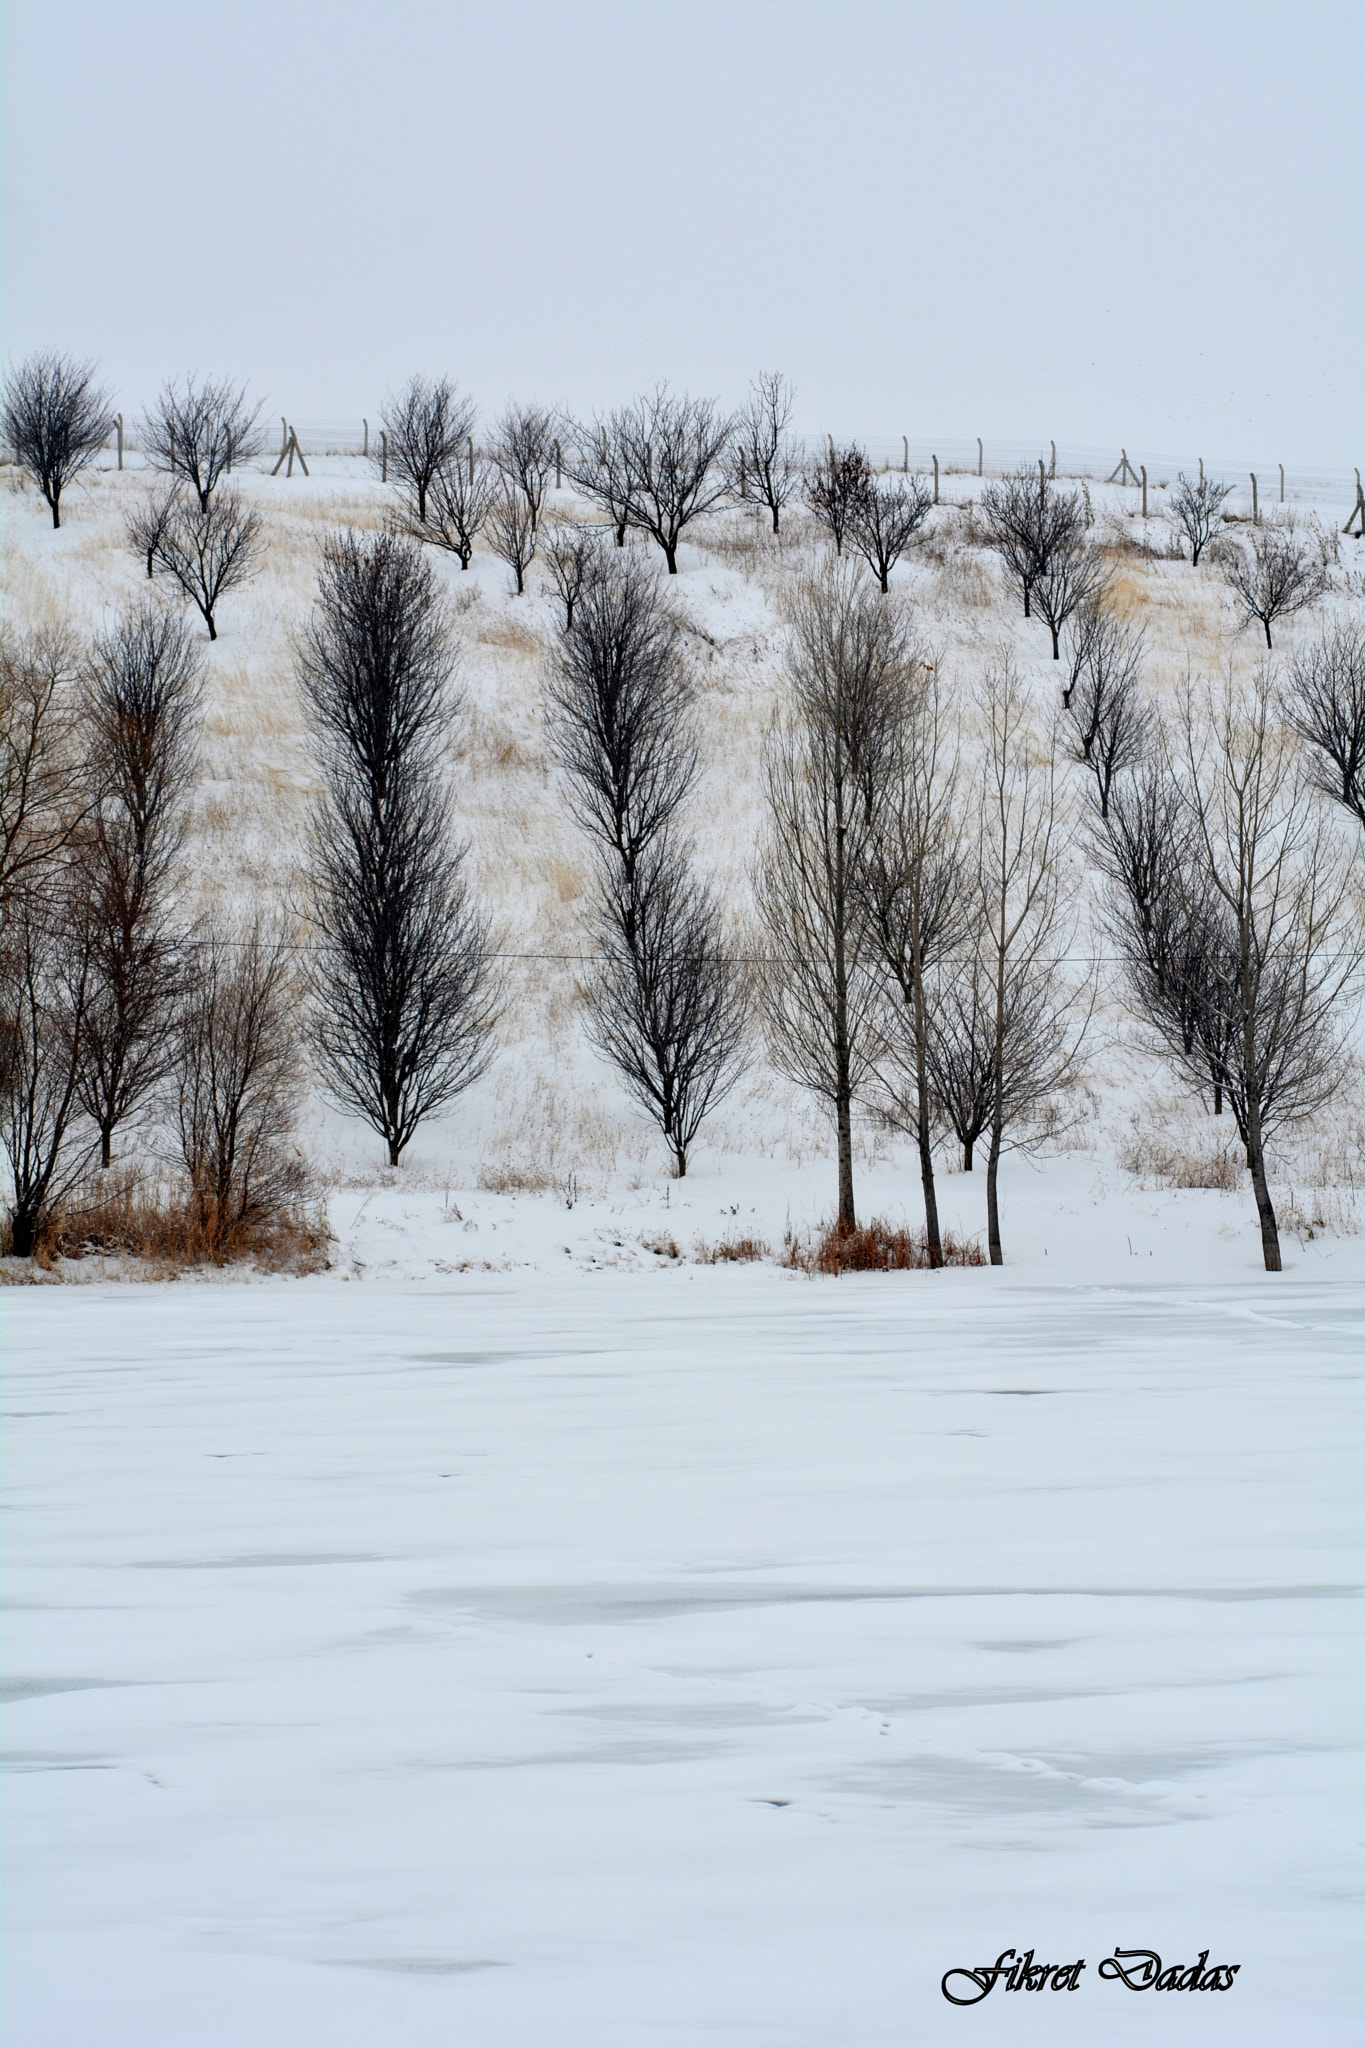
x=1056, y=645
x=1218, y=1098
x=23, y=1231
x=208, y=621
x=776, y=510
x=993, y=1198
x=967, y=1157
x=394, y=1149
x=56, y=515
x=1266, y=624
x=923, y=1133
x=422, y=504
x=671, y=556
x=1028, y=592
x=106, y=1147
x=1265, y=1209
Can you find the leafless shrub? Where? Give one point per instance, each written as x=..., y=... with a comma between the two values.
x=426, y=428
x=1073, y=577
x=142, y=700
x=731, y=1251
x=1196, y=512
x=131, y=1215
x=148, y=522
x=234, y=1085
x=1026, y=520
x=512, y=532
x=834, y=490
x=1110, y=723
x=56, y=419
x=764, y=457
x=1274, y=577
x=1325, y=705
x=573, y=557
x=211, y=550
x=403, y=987
x=459, y=498
x=524, y=451
x=201, y=432
x=885, y=519
x=654, y=465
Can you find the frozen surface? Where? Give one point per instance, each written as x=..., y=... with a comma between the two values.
x=700, y=1656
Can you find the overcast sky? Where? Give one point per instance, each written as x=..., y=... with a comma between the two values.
x=1095, y=222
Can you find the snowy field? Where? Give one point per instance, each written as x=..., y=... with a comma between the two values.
x=708, y=1655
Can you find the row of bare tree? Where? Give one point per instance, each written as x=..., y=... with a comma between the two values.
x=114, y=1012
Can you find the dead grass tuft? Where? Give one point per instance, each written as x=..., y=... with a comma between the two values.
x=732, y=1251
x=126, y=1215
x=875, y=1247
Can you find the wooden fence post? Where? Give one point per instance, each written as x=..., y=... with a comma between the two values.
x=119, y=424
x=980, y=456
x=905, y=456
x=383, y=457
x=1201, y=472
x=366, y=425
x=1357, y=510
x=1255, y=507
x=1144, y=490
x=1042, y=473
x=936, y=479
x=284, y=435
x=1282, y=483
x=1053, y=470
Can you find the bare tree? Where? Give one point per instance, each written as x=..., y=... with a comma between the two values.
x=1272, y=894
x=836, y=488
x=1027, y=520
x=1325, y=706
x=661, y=467
x=512, y=532
x=524, y=451
x=149, y=521
x=43, y=975
x=884, y=520
x=849, y=657
x=1105, y=709
x=1274, y=577
x=201, y=431
x=142, y=697
x=1196, y=512
x=1073, y=578
x=765, y=460
x=459, y=500
x=596, y=468
x=667, y=1004
x=618, y=702
x=404, y=989
x=45, y=792
x=56, y=419
x=210, y=552
x=912, y=878
x=234, y=1082
x=426, y=428
x=1035, y=1020
x=573, y=557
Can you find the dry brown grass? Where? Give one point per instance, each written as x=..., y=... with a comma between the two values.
x=732, y=1251
x=126, y=1215
x=1163, y=1158
x=875, y=1247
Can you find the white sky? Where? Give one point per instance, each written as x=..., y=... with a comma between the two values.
x=1099, y=223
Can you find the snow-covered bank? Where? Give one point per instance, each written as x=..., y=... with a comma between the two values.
x=678, y=1657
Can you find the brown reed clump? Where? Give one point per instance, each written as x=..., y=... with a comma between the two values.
x=876, y=1247
x=124, y=1215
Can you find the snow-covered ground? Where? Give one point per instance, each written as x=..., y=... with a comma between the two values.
x=707, y=1655
x=527, y=1632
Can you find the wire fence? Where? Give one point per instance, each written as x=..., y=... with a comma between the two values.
x=1275, y=482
